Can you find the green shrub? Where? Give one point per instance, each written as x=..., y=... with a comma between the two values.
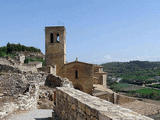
x=10, y=49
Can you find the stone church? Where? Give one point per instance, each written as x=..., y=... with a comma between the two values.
x=83, y=75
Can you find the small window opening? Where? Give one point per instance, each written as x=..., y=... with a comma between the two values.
x=57, y=37
x=51, y=38
x=77, y=88
x=76, y=74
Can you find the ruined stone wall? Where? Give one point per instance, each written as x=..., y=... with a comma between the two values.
x=48, y=69
x=8, y=68
x=25, y=101
x=14, y=66
x=84, y=79
x=122, y=99
x=31, y=54
x=106, y=96
x=4, y=61
x=72, y=104
x=27, y=68
x=100, y=77
x=115, y=98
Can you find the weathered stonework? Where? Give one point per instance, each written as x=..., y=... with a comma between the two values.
x=15, y=66
x=25, y=101
x=82, y=75
x=55, y=48
x=56, y=81
x=72, y=104
x=100, y=77
x=19, y=91
x=84, y=79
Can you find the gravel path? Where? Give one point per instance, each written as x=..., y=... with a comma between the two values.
x=38, y=114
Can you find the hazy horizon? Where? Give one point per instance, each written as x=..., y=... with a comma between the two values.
x=97, y=31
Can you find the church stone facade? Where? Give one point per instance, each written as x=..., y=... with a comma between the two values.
x=83, y=75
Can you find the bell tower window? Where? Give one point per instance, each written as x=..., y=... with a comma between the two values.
x=57, y=38
x=51, y=38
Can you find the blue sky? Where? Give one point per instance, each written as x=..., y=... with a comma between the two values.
x=98, y=31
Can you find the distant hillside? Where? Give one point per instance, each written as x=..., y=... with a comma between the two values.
x=136, y=72
x=11, y=49
x=31, y=53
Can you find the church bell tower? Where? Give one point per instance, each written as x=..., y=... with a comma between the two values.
x=55, y=46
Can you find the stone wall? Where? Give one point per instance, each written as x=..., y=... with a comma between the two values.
x=26, y=68
x=115, y=97
x=19, y=91
x=84, y=78
x=100, y=77
x=28, y=100
x=106, y=96
x=14, y=66
x=122, y=99
x=72, y=104
x=25, y=101
x=48, y=69
x=8, y=68
x=4, y=61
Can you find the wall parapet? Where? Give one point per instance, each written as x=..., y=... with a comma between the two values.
x=72, y=104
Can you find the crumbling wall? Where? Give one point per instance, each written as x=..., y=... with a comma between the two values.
x=72, y=104
x=115, y=97
x=13, y=65
x=48, y=69
x=122, y=99
x=29, y=99
x=19, y=91
x=26, y=68
x=4, y=61
x=8, y=68
x=106, y=96
x=25, y=101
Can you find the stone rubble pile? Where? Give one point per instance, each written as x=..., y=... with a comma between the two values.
x=25, y=101
x=29, y=100
x=46, y=98
x=19, y=91
x=56, y=81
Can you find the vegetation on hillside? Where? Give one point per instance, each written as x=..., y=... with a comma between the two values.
x=133, y=75
x=154, y=86
x=148, y=93
x=134, y=72
x=136, y=91
x=11, y=49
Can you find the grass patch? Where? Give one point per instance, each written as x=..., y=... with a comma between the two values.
x=154, y=86
x=148, y=93
x=28, y=59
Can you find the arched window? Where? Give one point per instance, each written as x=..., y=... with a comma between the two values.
x=76, y=74
x=57, y=37
x=51, y=38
